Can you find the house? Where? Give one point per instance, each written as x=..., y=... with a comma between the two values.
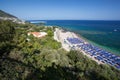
x=37, y=34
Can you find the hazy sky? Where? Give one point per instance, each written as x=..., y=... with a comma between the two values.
x=63, y=9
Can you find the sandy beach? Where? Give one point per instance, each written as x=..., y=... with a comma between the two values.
x=60, y=35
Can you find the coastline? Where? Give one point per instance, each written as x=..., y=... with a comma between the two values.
x=108, y=41
x=112, y=50
x=66, y=47
x=73, y=41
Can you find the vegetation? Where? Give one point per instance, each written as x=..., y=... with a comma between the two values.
x=25, y=57
x=7, y=32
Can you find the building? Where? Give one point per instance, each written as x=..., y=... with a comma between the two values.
x=37, y=34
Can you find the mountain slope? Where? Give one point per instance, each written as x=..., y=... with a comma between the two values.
x=4, y=14
x=7, y=16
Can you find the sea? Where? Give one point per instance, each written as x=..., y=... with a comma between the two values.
x=100, y=33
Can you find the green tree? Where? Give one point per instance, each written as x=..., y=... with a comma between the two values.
x=50, y=33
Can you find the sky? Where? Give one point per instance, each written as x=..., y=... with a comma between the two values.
x=63, y=9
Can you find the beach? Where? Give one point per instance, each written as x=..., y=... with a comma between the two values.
x=88, y=39
x=60, y=35
x=103, y=34
x=71, y=41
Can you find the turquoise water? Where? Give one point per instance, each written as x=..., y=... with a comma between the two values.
x=105, y=34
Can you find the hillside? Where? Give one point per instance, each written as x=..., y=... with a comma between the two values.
x=4, y=14
x=7, y=16
x=43, y=58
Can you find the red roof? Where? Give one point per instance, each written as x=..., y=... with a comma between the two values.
x=36, y=34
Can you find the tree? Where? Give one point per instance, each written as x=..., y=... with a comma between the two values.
x=50, y=33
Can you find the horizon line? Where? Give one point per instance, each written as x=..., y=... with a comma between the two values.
x=71, y=19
